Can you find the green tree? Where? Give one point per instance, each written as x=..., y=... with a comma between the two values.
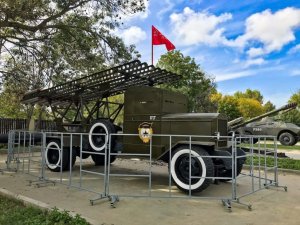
x=11, y=107
x=46, y=42
x=250, y=107
x=293, y=116
x=268, y=106
x=247, y=104
x=195, y=84
x=253, y=94
x=61, y=38
x=229, y=105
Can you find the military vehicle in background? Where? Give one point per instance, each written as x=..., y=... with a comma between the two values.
x=82, y=105
x=287, y=133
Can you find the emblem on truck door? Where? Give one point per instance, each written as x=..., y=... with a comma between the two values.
x=145, y=131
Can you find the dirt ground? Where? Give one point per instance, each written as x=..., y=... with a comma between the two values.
x=270, y=206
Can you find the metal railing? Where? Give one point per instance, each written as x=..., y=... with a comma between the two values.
x=27, y=153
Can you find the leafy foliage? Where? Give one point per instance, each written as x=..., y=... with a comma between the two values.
x=252, y=94
x=46, y=42
x=13, y=212
x=246, y=104
x=269, y=106
x=195, y=84
x=229, y=105
x=293, y=116
x=53, y=40
x=250, y=107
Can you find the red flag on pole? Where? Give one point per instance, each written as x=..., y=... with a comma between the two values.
x=159, y=39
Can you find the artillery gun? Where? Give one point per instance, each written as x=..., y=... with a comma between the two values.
x=287, y=133
x=82, y=105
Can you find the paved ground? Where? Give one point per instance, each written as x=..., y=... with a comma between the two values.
x=272, y=206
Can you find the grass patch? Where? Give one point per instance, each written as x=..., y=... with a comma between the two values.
x=14, y=212
x=284, y=163
x=295, y=147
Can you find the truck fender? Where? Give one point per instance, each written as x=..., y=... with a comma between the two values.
x=209, y=146
x=228, y=159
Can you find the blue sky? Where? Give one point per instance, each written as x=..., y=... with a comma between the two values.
x=242, y=44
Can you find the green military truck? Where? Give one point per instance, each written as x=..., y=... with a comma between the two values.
x=153, y=114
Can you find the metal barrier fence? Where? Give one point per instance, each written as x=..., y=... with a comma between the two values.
x=137, y=174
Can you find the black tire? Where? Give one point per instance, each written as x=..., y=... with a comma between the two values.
x=99, y=160
x=73, y=157
x=53, y=156
x=228, y=173
x=99, y=142
x=287, y=139
x=200, y=167
x=83, y=155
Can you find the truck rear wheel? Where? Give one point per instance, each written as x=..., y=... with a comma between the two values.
x=200, y=167
x=100, y=143
x=228, y=173
x=287, y=139
x=99, y=160
x=99, y=135
x=55, y=157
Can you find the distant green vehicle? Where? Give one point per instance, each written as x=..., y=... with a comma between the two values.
x=287, y=133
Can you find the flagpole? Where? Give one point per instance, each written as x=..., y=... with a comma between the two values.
x=152, y=45
x=152, y=53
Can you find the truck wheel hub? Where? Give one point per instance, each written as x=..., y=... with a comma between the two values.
x=53, y=156
x=183, y=168
x=286, y=139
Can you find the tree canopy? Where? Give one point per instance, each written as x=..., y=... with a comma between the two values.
x=252, y=94
x=195, y=84
x=46, y=42
x=229, y=105
x=293, y=116
x=46, y=39
x=247, y=104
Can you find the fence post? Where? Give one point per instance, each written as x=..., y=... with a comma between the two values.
x=43, y=149
x=233, y=165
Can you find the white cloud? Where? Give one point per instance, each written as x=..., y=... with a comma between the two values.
x=240, y=70
x=254, y=52
x=252, y=62
x=272, y=30
x=221, y=76
x=169, y=5
x=236, y=60
x=295, y=49
x=295, y=73
x=132, y=35
x=192, y=27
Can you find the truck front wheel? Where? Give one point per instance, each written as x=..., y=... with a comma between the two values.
x=287, y=139
x=201, y=167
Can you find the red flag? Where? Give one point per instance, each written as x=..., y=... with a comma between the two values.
x=159, y=39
